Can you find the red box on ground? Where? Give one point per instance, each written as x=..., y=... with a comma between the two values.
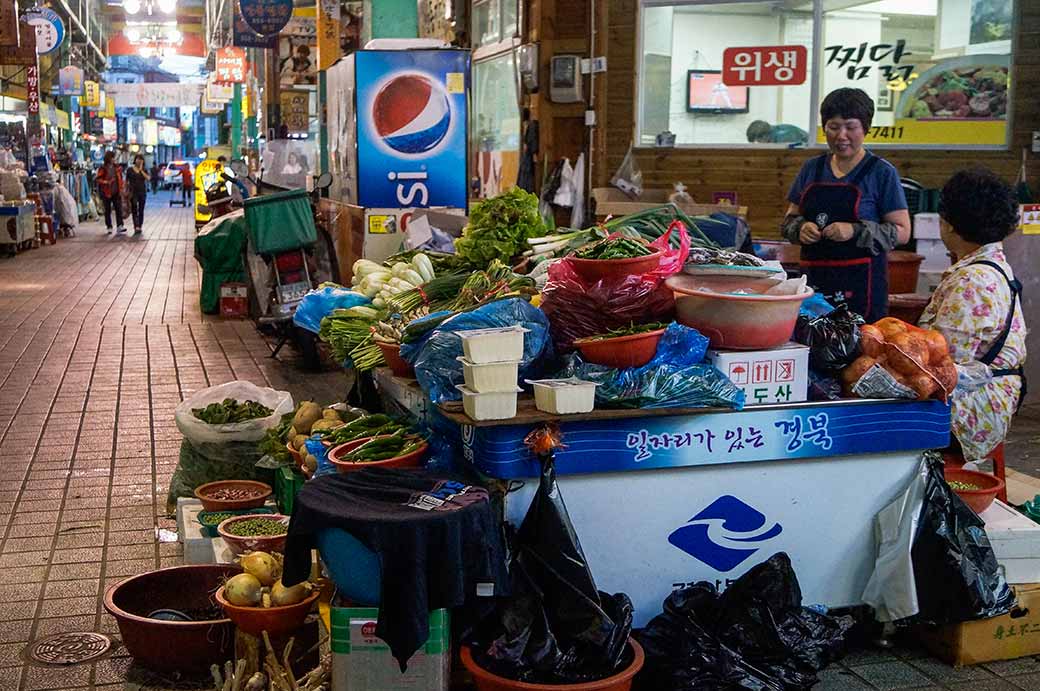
x=234, y=300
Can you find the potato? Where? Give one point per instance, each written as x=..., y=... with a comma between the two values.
x=325, y=425
x=890, y=326
x=906, y=355
x=310, y=463
x=298, y=441
x=871, y=340
x=923, y=385
x=851, y=374
x=330, y=414
x=307, y=414
x=937, y=348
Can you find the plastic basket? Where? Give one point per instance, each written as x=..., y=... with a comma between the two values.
x=280, y=222
x=287, y=483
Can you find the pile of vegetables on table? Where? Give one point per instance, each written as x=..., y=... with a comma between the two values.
x=917, y=360
x=230, y=411
x=260, y=584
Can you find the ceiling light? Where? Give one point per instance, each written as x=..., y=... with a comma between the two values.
x=132, y=6
x=174, y=36
x=133, y=35
x=167, y=6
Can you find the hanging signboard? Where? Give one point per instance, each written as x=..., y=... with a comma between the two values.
x=155, y=95
x=209, y=107
x=298, y=49
x=266, y=17
x=329, y=28
x=108, y=128
x=231, y=65
x=9, y=24
x=32, y=99
x=296, y=110
x=50, y=29
x=70, y=81
x=218, y=93
x=25, y=52
x=245, y=37
x=91, y=97
x=108, y=106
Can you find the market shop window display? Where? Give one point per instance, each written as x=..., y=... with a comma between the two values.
x=977, y=307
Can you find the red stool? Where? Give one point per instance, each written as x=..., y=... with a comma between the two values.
x=956, y=459
x=45, y=222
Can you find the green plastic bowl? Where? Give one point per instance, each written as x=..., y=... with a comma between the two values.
x=210, y=530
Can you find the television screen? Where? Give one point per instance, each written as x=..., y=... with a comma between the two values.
x=705, y=93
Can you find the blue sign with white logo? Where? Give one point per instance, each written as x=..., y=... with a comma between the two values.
x=50, y=29
x=765, y=433
x=725, y=534
x=411, y=128
x=266, y=17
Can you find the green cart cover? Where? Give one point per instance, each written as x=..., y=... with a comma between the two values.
x=280, y=222
x=219, y=249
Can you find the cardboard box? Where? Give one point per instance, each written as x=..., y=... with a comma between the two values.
x=934, y=253
x=611, y=201
x=234, y=300
x=362, y=662
x=780, y=375
x=1008, y=637
x=926, y=226
x=1016, y=542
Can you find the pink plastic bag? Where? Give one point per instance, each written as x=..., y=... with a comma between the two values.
x=577, y=308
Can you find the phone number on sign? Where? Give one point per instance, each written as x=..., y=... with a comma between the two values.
x=886, y=132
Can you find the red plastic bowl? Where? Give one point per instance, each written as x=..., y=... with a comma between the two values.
x=598, y=269
x=486, y=681
x=273, y=620
x=296, y=455
x=634, y=350
x=978, y=499
x=397, y=364
x=410, y=460
x=243, y=544
x=202, y=492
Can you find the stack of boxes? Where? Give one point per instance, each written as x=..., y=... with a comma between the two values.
x=491, y=368
x=931, y=247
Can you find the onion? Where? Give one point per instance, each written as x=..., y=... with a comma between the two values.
x=242, y=590
x=261, y=566
x=282, y=596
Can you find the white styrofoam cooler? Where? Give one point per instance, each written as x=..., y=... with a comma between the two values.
x=1016, y=542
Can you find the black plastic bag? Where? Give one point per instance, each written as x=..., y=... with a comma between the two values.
x=755, y=635
x=556, y=628
x=957, y=575
x=833, y=339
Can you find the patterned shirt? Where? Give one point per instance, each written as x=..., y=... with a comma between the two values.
x=970, y=308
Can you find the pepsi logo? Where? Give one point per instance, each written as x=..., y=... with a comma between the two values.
x=411, y=113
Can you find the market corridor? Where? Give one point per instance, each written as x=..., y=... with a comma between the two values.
x=100, y=338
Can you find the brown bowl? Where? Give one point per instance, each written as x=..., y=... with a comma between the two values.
x=173, y=646
x=263, y=491
x=273, y=620
x=243, y=544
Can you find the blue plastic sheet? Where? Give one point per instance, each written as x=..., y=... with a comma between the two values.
x=815, y=306
x=435, y=356
x=676, y=377
x=320, y=452
x=319, y=303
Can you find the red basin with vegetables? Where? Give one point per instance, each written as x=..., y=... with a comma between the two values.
x=634, y=350
x=410, y=460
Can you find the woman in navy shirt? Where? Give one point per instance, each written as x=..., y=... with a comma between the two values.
x=847, y=209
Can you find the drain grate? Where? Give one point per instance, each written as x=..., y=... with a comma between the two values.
x=68, y=648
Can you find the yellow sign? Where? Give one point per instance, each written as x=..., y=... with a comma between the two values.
x=1029, y=219
x=939, y=131
x=455, y=83
x=328, y=33
x=109, y=106
x=382, y=225
x=296, y=110
x=206, y=173
x=91, y=97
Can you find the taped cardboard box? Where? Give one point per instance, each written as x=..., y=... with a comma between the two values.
x=1008, y=637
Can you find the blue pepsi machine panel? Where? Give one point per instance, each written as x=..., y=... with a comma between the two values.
x=411, y=128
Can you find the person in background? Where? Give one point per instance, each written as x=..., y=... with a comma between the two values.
x=187, y=184
x=110, y=188
x=137, y=181
x=847, y=209
x=761, y=132
x=977, y=307
x=156, y=177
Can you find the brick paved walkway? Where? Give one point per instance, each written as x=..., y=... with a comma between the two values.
x=100, y=338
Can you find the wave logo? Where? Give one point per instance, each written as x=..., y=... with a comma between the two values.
x=725, y=534
x=411, y=113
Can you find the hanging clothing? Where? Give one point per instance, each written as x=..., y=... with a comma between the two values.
x=971, y=307
x=867, y=193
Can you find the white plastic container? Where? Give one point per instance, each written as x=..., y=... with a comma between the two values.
x=482, y=346
x=490, y=377
x=564, y=396
x=497, y=405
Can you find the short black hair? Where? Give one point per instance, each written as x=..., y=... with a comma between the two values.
x=979, y=205
x=848, y=104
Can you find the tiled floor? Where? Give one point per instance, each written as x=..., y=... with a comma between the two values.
x=100, y=338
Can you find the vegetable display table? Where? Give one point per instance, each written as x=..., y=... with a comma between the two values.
x=17, y=224
x=661, y=498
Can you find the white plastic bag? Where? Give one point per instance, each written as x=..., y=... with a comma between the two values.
x=892, y=588
x=629, y=178
x=199, y=432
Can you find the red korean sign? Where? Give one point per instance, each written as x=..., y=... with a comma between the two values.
x=765, y=66
x=231, y=65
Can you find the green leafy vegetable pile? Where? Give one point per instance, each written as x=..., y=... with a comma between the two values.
x=499, y=228
x=230, y=410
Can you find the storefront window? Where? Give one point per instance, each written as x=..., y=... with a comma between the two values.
x=493, y=21
x=495, y=130
x=715, y=73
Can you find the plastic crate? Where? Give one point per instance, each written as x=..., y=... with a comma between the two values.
x=287, y=483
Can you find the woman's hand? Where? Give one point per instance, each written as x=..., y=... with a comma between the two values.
x=838, y=231
x=809, y=233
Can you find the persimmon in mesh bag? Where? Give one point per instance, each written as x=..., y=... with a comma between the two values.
x=916, y=358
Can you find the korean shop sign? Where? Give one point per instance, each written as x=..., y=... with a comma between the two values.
x=856, y=61
x=764, y=66
x=50, y=29
x=231, y=65
x=266, y=17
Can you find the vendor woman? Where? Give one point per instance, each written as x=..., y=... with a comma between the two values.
x=977, y=308
x=847, y=209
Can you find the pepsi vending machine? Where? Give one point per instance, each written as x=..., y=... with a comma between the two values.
x=397, y=123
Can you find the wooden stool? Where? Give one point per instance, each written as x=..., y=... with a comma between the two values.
x=45, y=222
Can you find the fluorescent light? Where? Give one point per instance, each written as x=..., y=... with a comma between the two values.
x=132, y=6
x=133, y=35
x=167, y=6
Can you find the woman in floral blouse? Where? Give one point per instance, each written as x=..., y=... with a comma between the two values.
x=976, y=307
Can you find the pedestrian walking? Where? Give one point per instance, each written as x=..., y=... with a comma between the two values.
x=137, y=180
x=187, y=185
x=110, y=188
x=156, y=178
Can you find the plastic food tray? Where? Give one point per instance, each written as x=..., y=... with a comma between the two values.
x=482, y=346
x=564, y=396
x=490, y=377
x=498, y=405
